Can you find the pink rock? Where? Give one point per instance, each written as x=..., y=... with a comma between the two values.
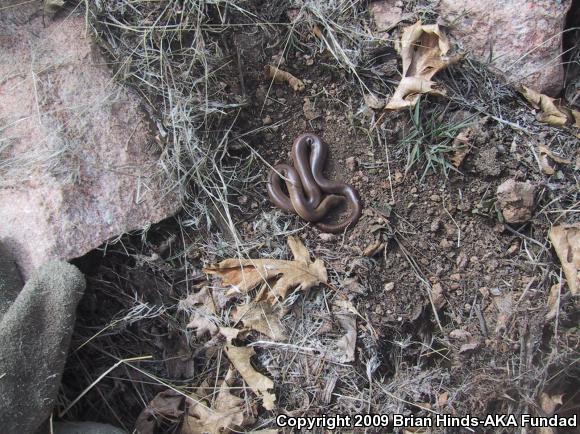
x=522, y=38
x=78, y=159
x=386, y=14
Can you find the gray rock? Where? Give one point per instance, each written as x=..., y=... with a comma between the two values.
x=78, y=158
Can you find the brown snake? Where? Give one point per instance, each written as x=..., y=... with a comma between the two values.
x=306, y=184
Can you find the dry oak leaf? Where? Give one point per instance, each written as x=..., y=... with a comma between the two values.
x=546, y=156
x=240, y=358
x=566, y=242
x=224, y=416
x=166, y=404
x=203, y=310
x=243, y=275
x=550, y=112
x=262, y=318
x=280, y=75
x=423, y=51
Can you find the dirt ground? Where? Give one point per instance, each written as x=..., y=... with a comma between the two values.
x=452, y=301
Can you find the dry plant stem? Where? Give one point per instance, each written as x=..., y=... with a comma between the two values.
x=99, y=378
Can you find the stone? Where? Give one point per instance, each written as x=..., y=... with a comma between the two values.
x=386, y=14
x=79, y=157
x=516, y=200
x=351, y=163
x=522, y=38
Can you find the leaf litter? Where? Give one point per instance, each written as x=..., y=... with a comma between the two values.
x=278, y=276
x=424, y=52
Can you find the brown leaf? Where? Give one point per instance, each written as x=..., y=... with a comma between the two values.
x=166, y=404
x=240, y=358
x=225, y=415
x=262, y=318
x=280, y=75
x=203, y=310
x=424, y=51
x=244, y=275
x=550, y=111
x=566, y=242
x=546, y=156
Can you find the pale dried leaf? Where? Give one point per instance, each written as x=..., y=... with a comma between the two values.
x=409, y=90
x=546, y=156
x=566, y=242
x=423, y=50
x=262, y=318
x=226, y=415
x=203, y=310
x=345, y=313
x=548, y=403
x=244, y=275
x=166, y=404
x=550, y=113
x=553, y=302
x=260, y=384
x=280, y=75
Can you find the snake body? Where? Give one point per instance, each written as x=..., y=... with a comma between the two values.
x=306, y=186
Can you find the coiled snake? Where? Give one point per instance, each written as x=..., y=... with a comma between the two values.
x=306, y=186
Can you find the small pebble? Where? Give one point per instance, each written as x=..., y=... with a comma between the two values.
x=435, y=198
x=351, y=163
